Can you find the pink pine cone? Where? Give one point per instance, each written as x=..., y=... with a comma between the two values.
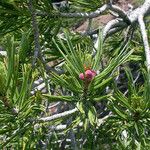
x=93, y=73
x=81, y=76
x=89, y=75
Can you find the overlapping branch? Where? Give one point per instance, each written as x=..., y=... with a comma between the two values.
x=35, y=32
x=57, y=116
x=121, y=13
x=64, y=126
x=94, y=14
x=145, y=40
x=124, y=20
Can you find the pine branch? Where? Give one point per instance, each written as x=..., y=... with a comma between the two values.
x=57, y=116
x=145, y=40
x=121, y=13
x=64, y=126
x=35, y=32
x=94, y=14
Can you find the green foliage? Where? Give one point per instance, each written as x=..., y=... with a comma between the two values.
x=131, y=114
x=110, y=114
x=85, y=94
x=16, y=103
x=86, y=4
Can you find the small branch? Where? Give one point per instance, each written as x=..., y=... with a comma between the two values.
x=94, y=14
x=115, y=30
x=138, y=75
x=145, y=40
x=35, y=32
x=117, y=25
x=128, y=18
x=89, y=26
x=131, y=17
x=64, y=126
x=120, y=12
x=114, y=14
x=40, y=87
x=57, y=116
x=111, y=24
x=143, y=10
x=54, y=105
x=111, y=27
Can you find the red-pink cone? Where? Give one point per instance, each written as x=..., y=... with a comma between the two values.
x=89, y=75
x=81, y=76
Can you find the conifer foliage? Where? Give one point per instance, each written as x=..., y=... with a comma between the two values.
x=66, y=90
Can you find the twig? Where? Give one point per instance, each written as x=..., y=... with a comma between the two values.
x=120, y=12
x=111, y=24
x=145, y=40
x=88, y=27
x=117, y=25
x=94, y=14
x=54, y=105
x=143, y=10
x=131, y=17
x=111, y=27
x=35, y=32
x=71, y=132
x=40, y=87
x=138, y=75
x=57, y=116
x=64, y=126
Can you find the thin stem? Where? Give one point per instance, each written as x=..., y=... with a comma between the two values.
x=57, y=116
x=145, y=40
x=35, y=32
x=94, y=14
